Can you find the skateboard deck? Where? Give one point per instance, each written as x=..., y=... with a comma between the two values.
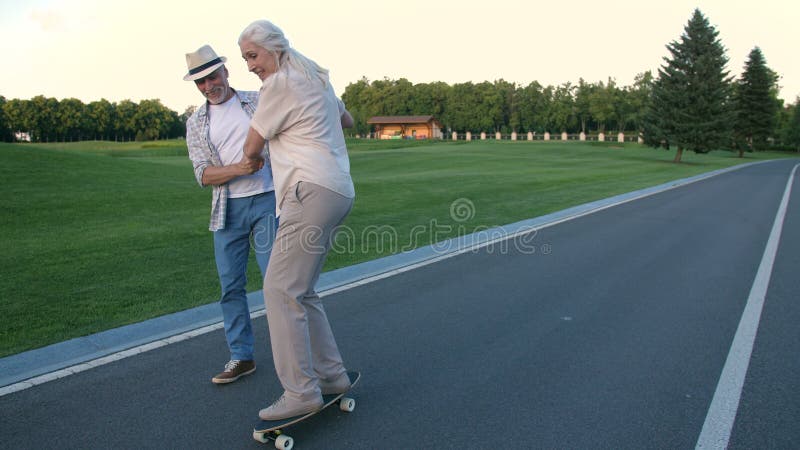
x=272, y=430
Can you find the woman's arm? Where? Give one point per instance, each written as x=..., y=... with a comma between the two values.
x=253, y=145
x=347, y=119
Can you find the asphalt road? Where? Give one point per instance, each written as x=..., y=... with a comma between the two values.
x=612, y=333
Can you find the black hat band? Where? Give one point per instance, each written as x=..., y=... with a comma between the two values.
x=205, y=66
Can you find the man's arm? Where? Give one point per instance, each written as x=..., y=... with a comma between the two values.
x=205, y=171
x=215, y=176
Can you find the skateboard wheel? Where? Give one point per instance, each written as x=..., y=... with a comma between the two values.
x=260, y=437
x=347, y=404
x=284, y=442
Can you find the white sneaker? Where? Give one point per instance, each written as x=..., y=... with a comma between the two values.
x=337, y=386
x=284, y=408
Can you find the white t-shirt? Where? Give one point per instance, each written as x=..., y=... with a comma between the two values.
x=228, y=125
x=301, y=119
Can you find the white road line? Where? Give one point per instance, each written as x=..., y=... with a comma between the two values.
x=718, y=425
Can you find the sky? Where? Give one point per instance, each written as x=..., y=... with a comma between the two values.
x=93, y=49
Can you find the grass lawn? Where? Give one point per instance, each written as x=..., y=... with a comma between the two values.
x=99, y=235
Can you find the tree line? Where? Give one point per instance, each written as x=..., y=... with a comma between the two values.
x=503, y=106
x=693, y=103
x=52, y=120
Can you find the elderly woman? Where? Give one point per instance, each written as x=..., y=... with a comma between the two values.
x=302, y=118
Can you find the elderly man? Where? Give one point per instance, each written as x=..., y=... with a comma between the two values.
x=243, y=197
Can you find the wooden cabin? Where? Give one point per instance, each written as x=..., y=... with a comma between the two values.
x=406, y=127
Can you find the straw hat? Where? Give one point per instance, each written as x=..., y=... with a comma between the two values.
x=202, y=62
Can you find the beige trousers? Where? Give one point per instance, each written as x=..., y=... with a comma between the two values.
x=303, y=346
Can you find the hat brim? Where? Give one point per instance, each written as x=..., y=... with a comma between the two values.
x=203, y=73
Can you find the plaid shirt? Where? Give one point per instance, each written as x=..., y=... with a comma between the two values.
x=203, y=154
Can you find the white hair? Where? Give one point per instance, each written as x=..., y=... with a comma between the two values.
x=269, y=37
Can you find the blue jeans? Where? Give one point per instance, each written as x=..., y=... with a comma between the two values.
x=249, y=222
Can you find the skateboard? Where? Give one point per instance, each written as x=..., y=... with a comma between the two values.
x=272, y=430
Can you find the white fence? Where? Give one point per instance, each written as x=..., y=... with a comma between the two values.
x=531, y=136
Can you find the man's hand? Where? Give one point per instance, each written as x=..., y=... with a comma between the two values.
x=251, y=165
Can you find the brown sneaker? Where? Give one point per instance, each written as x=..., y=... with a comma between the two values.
x=234, y=370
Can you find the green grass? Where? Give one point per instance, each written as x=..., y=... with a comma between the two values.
x=99, y=235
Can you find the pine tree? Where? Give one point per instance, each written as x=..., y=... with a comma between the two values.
x=791, y=135
x=690, y=103
x=756, y=103
x=5, y=129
